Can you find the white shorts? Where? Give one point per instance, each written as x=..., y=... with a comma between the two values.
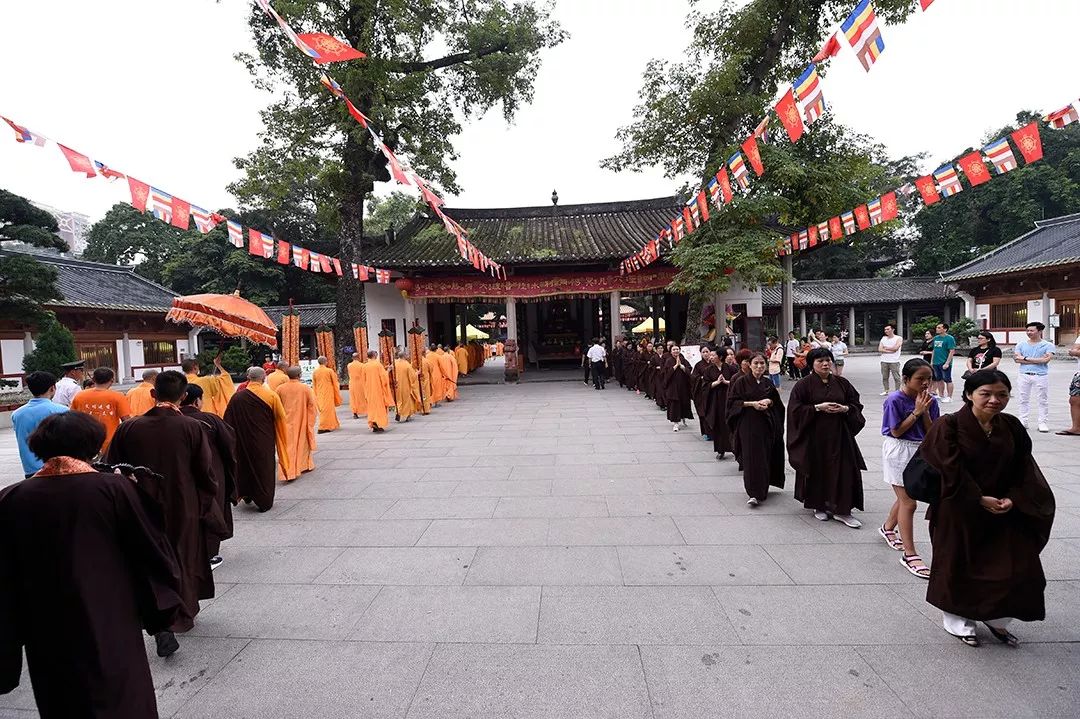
x=895, y=455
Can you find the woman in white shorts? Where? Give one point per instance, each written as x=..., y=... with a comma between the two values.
x=908, y=414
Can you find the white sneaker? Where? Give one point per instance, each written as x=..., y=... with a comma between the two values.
x=822, y=516
x=752, y=502
x=945, y=400
x=1043, y=427
x=883, y=394
x=674, y=428
x=848, y=520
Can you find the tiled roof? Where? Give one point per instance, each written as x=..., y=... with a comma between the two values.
x=1052, y=242
x=95, y=285
x=528, y=235
x=867, y=291
x=310, y=315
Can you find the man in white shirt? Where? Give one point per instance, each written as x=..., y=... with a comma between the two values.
x=597, y=357
x=1034, y=356
x=790, y=349
x=71, y=383
x=889, y=347
x=1074, y=393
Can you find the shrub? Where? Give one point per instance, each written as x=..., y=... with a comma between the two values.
x=55, y=346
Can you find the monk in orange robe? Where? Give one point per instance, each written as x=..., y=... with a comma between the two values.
x=377, y=393
x=408, y=387
x=140, y=399
x=299, y=403
x=356, y=386
x=327, y=395
x=438, y=384
x=499, y=348
x=217, y=388
x=461, y=355
x=449, y=369
x=278, y=377
x=426, y=384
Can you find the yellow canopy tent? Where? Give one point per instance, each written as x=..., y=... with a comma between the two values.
x=474, y=334
x=646, y=327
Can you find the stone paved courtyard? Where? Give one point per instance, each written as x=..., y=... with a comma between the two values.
x=546, y=550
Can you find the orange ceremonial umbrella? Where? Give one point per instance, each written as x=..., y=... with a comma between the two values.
x=229, y=315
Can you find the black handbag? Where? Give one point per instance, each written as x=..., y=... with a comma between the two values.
x=921, y=481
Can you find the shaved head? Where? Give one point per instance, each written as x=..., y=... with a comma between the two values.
x=256, y=374
x=372, y=354
x=283, y=366
x=322, y=360
x=148, y=375
x=293, y=372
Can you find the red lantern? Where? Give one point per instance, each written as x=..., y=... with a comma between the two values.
x=405, y=285
x=727, y=271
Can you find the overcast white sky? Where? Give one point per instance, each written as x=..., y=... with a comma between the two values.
x=151, y=89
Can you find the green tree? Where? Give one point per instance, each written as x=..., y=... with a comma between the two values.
x=55, y=345
x=316, y=159
x=25, y=283
x=694, y=113
x=981, y=218
x=392, y=211
x=125, y=236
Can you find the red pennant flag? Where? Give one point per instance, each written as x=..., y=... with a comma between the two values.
x=925, y=4
x=140, y=193
x=974, y=168
x=356, y=114
x=836, y=231
x=337, y=267
x=78, y=161
x=688, y=220
x=750, y=149
x=363, y=273
x=395, y=166
x=862, y=217
x=813, y=234
x=725, y=185
x=181, y=213
x=926, y=187
x=831, y=48
x=328, y=48
x=788, y=112
x=888, y=207
x=324, y=263
x=1026, y=138
x=703, y=205
x=284, y=252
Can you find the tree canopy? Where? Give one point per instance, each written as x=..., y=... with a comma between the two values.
x=125, y=236
x=25, y=283
x=316, y=159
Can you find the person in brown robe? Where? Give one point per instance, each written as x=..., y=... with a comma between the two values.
x=660, y=361
x=258, y=418
x=722, y=373
x=84, y=569
x=824, y=415
x=177, y=448
x=994, y=516
x=223, y=458
x=677, y=396
x=755, y=417
x=699, y=390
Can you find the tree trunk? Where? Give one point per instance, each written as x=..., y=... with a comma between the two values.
x=692, y=334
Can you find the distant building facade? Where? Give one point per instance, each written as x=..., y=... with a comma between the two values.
x=74, y=227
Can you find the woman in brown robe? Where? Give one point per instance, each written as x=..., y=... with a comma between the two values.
x=699, y=390
x=723, y=372
x=661, y=363
x=85, y=567
x=677, y=395
x=993, y=519
x=824, y=415
x=755, y=416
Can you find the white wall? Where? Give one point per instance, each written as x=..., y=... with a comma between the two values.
x=12, y=352
x=384, y=302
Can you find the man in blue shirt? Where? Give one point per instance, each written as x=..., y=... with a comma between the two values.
x=1034, y=355
x=25, y=419
x=944, y=347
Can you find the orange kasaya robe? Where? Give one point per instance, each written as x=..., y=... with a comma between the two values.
x=449, y=369
x=377, y=392
x=462, y=356
x=438, y=382
x=324, y=383
x=276, y=378
x=139, y=399
x=426, y=388
x=298, y=400
x=217, y=391
x=356, y=388
x=499, y=347
x=408, y=389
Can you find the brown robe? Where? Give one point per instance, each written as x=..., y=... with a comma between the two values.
x=822, y=446
x=703, y=375
x=986, y=566
x=677, y=395
x=658, y=378
x=716, y=408
x=223, y=451
x=259, y=429
x=758, y=435
x=178, y=448
x=84, y=568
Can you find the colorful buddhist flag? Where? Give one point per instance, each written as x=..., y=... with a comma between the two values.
x=140, y=193
x=161, y=204
x=738, y=170
x=300, y=257
x=974, y=168
x=382, y=277
x=889, y=210
x=948, y=181
x=356, y=114
x=24, y=135
x=337, y=267
x=284, y=252
x=331, y=84
x=1001, y=155
x=324, y=263
x=808, y=90
x=761, y=132
x=236, y=233
x=1065, y=116
x=181, y=213
x=863, y=35
x=1028, y=142
x=804, y=239
x=789, y=244
x=836, y=231
x=750, y=147
x=823, y=231
x=204, y=221
x=314, y=264
x=862, y=217
x=926, y=187
x=848, y=218
x=260, y=244
x=328, y=48
x=788, y=112
x=677, y=230
x=874, y=207
x=107, y=172
x=78, y=161
x=831, y=48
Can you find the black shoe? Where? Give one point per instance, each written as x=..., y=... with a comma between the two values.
x=166, y=643
x=356, y=416
x=215, y=562
x=322, y=431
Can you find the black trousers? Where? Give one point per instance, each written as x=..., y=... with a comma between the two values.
x=598, y=373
